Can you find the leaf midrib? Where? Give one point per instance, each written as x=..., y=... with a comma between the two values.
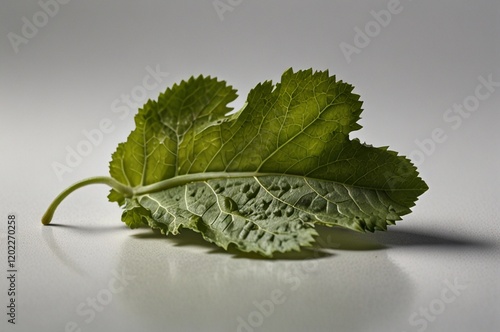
x=184, y=179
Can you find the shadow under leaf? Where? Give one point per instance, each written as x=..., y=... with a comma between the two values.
x=190, y=238
x=410, y=237
x=90, y=229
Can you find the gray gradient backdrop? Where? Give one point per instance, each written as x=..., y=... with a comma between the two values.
x=65, y=77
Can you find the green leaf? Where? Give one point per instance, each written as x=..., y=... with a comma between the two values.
x=259, y=179
x=262, y=177
x=151, y=153
x=229, y=211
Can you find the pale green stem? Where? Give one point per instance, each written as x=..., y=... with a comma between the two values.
x=181, y=180
x=127, y=191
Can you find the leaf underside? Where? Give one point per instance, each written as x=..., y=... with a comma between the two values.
x=261, y=178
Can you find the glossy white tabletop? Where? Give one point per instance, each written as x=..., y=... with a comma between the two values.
x=437, y=270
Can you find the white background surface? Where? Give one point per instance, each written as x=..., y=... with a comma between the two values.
x=64, y=81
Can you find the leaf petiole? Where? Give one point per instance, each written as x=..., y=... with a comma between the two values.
x=125, y=190
x=140, y=190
